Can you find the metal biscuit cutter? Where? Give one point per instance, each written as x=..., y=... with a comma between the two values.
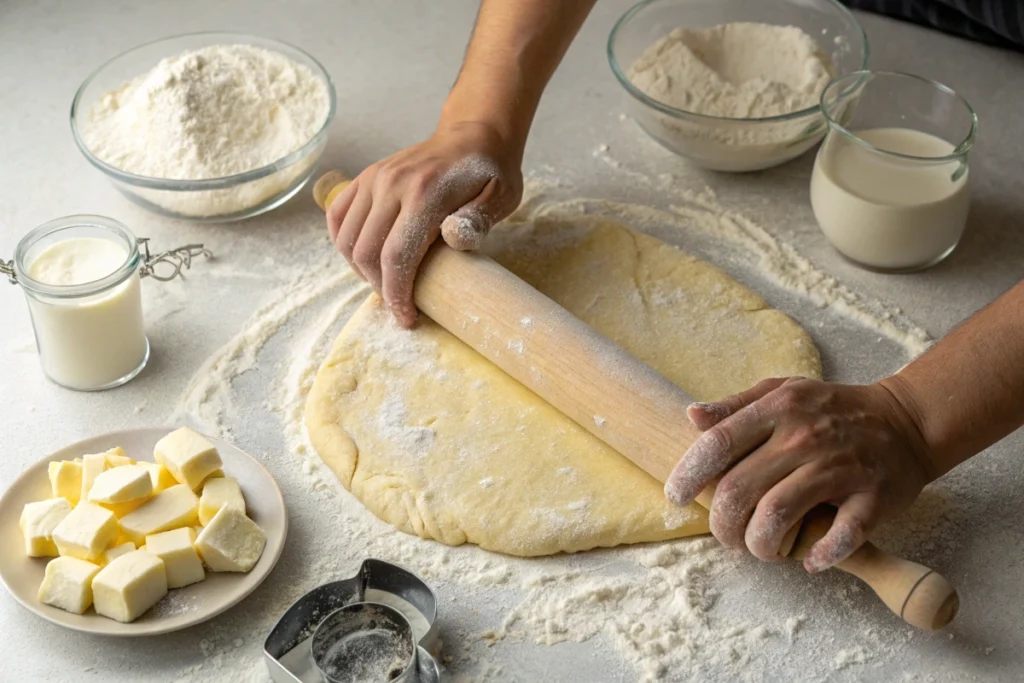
x=379, y=625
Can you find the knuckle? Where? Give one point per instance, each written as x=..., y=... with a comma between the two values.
x=773, y=509
x=387, y=175
x=719, y=439
x=856, y=527
x=801, y=439
x=420, y=185
x=394, y=257
x=365, y=257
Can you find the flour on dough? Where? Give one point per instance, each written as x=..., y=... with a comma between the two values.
x=440, y=443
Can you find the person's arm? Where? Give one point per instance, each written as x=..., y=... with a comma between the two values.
x=467, y=176
x=786, y=446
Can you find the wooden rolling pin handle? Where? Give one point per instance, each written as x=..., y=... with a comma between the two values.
x=328, y=187
x=611, y=394
x=919, y=595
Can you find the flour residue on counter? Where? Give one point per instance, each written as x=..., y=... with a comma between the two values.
x=671, y=609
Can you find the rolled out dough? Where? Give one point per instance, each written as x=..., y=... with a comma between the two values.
x=439, y=442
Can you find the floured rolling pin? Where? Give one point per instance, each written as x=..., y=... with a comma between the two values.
x=617, y=398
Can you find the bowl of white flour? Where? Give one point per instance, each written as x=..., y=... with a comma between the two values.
x=206, y=126
x=734, y=85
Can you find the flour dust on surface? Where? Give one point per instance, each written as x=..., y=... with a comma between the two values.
x=680, y=610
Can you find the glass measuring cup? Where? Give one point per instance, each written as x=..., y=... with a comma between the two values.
x=890, y=187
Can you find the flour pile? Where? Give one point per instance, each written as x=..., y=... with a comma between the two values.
x=213, y=112
x=740, y=70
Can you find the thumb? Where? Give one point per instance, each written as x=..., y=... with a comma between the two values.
x=704, y=416
x=466, y=228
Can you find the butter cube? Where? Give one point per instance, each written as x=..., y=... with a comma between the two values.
x=162, y=479
x=38, y=520
x=121, y=485
x=67, y=584
x=177, y=549
x=117, y=551
x=66, y=480
x=93, y=465
x=130, y=585
x=188, y=456
x=170, y=509
x=116, y=457
x=231, y=542
x=86, y=532
x=218, y=493
x=122, y=509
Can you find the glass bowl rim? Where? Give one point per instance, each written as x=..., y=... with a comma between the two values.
x=862, y=78
x=223, y=182
x=675, y=112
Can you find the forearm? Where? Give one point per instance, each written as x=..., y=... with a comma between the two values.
x=515, y=49
x=967, y=392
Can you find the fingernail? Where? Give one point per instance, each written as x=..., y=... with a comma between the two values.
x=714, y=410
x=463, y=231
x=814, y=565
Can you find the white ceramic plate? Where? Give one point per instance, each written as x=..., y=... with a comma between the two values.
x=182, y=607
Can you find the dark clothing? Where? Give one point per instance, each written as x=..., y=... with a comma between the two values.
x=995, y=22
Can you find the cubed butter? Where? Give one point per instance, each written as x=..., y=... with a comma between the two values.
x=231, y=542
x=67, y=584
x=130, y=585
x=117, y=551
x=116, y=457
x=122, y=509
x=38, y=520
x=86, y=532
x=66, y=480
x=177, y=549
x=162, y=478
x=176, y=507
x=93, y=465
x=121, y=485
x=218, y=493
x=188, y=456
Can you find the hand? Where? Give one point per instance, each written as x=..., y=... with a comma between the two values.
x=458, y=184
x=786, y=446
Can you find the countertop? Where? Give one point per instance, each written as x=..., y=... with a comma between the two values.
x=393, y=62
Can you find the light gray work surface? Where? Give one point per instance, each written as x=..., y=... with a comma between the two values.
x=393, y=63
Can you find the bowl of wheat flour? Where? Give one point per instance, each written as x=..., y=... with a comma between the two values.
x=207, y=126
x=733, y=85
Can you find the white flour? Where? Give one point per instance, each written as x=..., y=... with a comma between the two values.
x=734, y=71
x=209, y=113
x=740, y=70
x=676, y=610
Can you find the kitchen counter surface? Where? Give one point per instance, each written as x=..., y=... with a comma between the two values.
x=393, y=63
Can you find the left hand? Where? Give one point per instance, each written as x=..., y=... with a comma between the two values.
x=788, y=445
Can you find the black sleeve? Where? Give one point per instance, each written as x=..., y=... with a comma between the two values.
x=995, y=22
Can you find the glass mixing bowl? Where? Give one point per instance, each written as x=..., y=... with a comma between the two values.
x=727, y=144
x=213, y=199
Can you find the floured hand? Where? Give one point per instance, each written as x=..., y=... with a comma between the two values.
x=786, y=446
x=457, y=184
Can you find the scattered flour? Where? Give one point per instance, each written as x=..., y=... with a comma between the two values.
x=660, y=610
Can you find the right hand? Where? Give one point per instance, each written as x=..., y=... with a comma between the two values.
x=458, y=183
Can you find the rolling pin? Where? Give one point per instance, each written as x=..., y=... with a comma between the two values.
x=617, y=398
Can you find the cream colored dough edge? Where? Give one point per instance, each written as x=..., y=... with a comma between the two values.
x=436, y=516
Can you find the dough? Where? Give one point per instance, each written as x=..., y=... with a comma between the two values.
x=440, y=443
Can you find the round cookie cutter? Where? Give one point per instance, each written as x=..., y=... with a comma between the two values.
x=334, y=633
